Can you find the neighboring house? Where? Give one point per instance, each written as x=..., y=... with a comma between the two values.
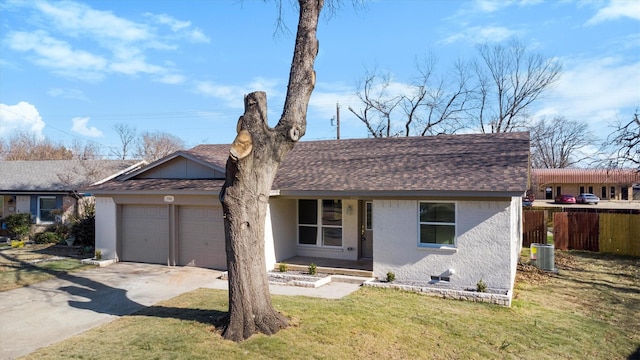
x=41, y=187
x=608, y=184
x=442, y=209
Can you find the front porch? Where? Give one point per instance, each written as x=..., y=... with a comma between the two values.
x=361, y=268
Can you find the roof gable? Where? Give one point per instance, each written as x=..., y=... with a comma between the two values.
x=179, y=165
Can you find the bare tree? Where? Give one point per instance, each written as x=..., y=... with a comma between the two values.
x=86, y=151
x=625, y=143
x=509, y=80
x=429, y=105
x=152, y=146
x=24, y=146
x=559, y=143
x=444, y=101
x=378, y=104
x=127, y=134
x=254, y=158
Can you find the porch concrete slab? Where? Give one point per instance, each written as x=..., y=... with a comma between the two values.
x=51, y=311
x=362, y=264
x=332, y=290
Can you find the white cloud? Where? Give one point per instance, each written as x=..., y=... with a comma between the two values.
x=616, y=9
x=481, y=34
x=79, y=19
x=58, y=55
x=80, y=126
x=67, y=93
x=182, y=28
x=174, y=24
x=233, y=95
x=197, y=35
x=20, y=117
x=65, y=28
x=171, y=79
x=594, y=91
x=491, y=5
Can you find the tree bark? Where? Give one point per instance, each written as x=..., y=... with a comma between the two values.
x=254, y=158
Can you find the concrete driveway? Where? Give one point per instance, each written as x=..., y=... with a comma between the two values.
x=50, y=311
x=47, y=312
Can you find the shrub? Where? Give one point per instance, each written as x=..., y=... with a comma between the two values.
x=19, y=224
x=391, y=276
x=60, y=229
x=47, y=237
x=17, y=244
x=84, y=229
x=282, y=267
x=481, y=286
x=313, y=268
x=98, y=255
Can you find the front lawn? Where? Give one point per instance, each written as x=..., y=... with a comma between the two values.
x=588, y=311
x=34, y=263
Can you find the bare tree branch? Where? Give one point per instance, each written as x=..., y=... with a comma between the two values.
x=624, y=143
x=152, y=146
x=127, y=134
x=559, y=143
x=509, y=80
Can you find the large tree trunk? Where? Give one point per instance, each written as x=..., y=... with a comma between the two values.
x=253, y=162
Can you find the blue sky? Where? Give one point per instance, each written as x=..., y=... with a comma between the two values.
x=73, y=69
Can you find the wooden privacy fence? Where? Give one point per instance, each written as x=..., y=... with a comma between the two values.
x=620, y=234
x=534, y=229
x=601, y=232
x=576, y=231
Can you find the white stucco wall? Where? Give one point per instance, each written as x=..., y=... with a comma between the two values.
x=516, y=236
x=280, y=230
x=483, y=249
x=106, y=227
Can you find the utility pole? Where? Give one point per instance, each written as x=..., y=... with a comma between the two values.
x=338, y=120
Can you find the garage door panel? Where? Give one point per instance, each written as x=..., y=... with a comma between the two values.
x=145, y=233
x=201, y=237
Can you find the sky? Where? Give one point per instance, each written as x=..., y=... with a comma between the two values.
x=72, y=70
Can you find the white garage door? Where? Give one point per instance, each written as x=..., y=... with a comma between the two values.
x=145, y=233
x=201, y=237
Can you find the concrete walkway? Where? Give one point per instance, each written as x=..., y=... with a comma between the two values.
x=45, y=313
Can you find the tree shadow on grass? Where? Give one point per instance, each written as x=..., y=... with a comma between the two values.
x=204, y=316
x=105, y=299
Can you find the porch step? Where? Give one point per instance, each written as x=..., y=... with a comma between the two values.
x=331, y=270
x=349, y=279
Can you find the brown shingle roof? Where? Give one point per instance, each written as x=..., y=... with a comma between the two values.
x=472, y=162
x=586, y=176
x=134, y=185
x=490, y=162
x=461, y=163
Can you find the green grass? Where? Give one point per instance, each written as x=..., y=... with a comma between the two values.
x=589, y=310
x=30, y=265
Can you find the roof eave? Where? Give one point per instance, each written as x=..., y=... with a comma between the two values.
x=153, y=192
x=395, y=194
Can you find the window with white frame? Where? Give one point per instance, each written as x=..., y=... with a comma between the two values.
x=437, y=223
x=320, y=222
x=46, y=204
